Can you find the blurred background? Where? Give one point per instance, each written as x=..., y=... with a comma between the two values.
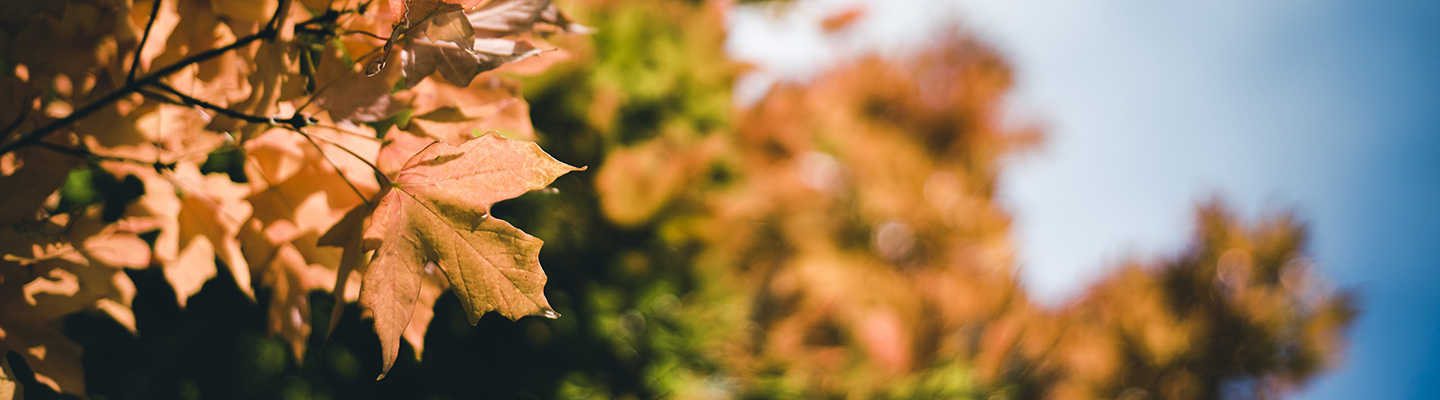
x=921, y=199
x=1326, y=108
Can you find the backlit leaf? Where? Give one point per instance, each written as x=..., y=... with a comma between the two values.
x=508, y=17
x=459, y=66
x=437, y=211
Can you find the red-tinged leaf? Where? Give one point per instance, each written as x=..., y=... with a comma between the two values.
x=51, y=269
x=287, y=185
x=437, y=211
x=432, y=285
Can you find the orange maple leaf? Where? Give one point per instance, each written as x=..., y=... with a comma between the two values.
x=436, y=210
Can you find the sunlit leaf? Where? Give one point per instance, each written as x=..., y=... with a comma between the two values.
x=437, y=211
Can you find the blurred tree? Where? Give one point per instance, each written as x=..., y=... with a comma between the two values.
x=1239, y=315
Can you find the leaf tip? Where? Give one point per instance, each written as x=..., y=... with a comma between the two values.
x=548, y=313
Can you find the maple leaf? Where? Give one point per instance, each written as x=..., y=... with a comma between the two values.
x=460, y=65
x=352, y=95
x=436, y=210
x=198, y=217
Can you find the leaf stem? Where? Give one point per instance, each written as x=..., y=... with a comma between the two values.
x=380, y=176
x=135, y=63
x=312, y=141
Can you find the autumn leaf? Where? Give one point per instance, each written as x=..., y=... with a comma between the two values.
x=437, y=210
x=453, y=27
x=459, y=65
x=352, y=96
x=456, y=114
x=507, y=17
x=56, y=267
x=415, y=11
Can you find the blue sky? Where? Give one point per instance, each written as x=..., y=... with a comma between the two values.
x=1328, y=108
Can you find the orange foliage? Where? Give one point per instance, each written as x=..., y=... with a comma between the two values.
x=120, y=119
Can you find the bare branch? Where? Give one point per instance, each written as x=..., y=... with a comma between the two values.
x=135, y=63
x=32, y=137
x=87, y=154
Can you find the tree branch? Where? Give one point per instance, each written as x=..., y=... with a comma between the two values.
x=296, y=121
x=32, y=137
x=87, y=154
x=334, y=165
x=379, y=175
x=135, y=63
x=19, y=119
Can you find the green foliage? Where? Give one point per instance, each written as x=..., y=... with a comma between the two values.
x=87, y=185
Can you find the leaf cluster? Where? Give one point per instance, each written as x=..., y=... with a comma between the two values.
x=267, y=142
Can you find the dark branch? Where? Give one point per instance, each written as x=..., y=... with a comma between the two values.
x=24, y=113
x=191, y=101
x=295, y=121
x=135, y=63
x=30, y=138
x=86, y=154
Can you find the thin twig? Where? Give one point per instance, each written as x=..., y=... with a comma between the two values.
x=24, y=113
x=83, y=153
x=31, y=137
x=135, y=63
x=194, y=102
x=296, y=121
x=364, y=33
x=269, y=33
x=334, y=165
x=380, y=175
x=344, y=131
